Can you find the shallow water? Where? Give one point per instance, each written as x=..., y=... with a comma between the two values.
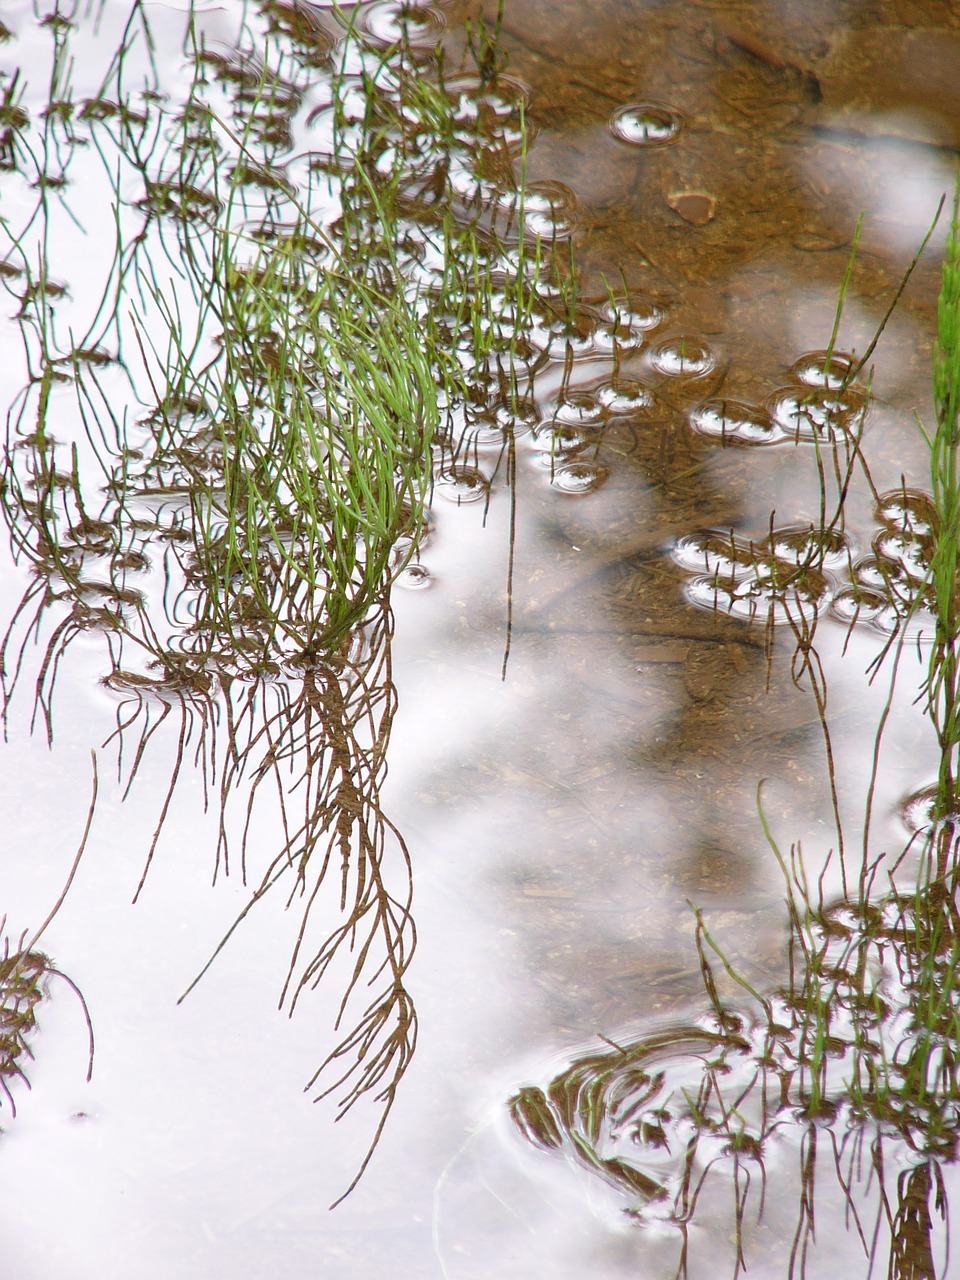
x=584, y=714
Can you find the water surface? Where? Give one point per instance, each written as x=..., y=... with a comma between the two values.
x=583, y=715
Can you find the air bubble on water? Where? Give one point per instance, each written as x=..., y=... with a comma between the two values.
x=712, y=553
x=824, y=369
x=735, y=420
x=560, y=339
x=909, y=510
x=621, y=395
x=647, y=124
x=474, y=95
x=518, y=414
x=918, y=811
x=469, y=184
x=905, y=553
x=415, y=577
x=352, y=103
x=890, y=620
x=703, y=593
x=554, y=225
x=636, y=314
x=413, y=26
x=333, y=141
x=479, y=436
x=858, y=604
x=579, y=406
x=462, y=485
x=607, y=340
x=817, y=414
x=565, y=343
x=683, y=357
x=548, y=210
x=579, y=477
x=805, y=544
x=546, y=197
x=869, y=573
x=489, y=112
x=625, y=323
x=553, y=440
x=419, y=177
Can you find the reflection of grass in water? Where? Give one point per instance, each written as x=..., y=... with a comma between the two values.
x=854, y=1063
x=304, y=368
x=25, y=973
x=323, y=405
x=847, y=1072
x=327, y=742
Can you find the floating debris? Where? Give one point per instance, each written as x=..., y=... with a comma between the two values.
x=696, y=207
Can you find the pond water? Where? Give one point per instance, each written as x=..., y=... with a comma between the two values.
x=628, y=610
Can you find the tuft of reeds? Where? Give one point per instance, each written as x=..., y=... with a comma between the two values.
x=324, y=406
x=284, y=353
x=852, y=1065
x=943, y=683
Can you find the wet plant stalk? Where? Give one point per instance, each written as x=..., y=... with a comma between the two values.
x=944, y=676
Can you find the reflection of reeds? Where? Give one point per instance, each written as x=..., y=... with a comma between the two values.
x=24, y=977
x=853, y=1064
x=321, y=748
x=231, y=529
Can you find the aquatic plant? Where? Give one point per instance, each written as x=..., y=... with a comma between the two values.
x=25, y=975
x=223, y=476
x=21, y=989
x=850, y=1069
x=942, y=684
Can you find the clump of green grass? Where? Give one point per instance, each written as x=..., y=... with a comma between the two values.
x=943, y=683
x=343, y=350
x=323, y=408
x=313, y=328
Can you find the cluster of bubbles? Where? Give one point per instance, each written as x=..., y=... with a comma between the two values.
x=611, y=361
x=892, y=583
x=821, y=402
x=785, y=577
x=614, y=351
x=657, y=1117
x=809, y=572
x=565, y=441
